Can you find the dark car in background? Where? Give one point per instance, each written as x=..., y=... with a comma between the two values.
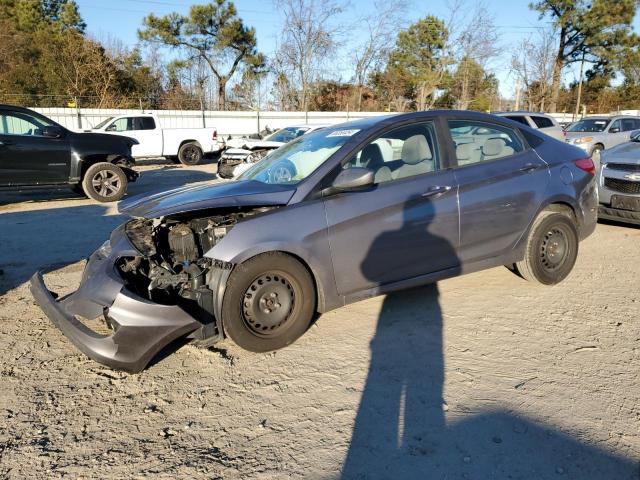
x=36, y=151
x=326, y=220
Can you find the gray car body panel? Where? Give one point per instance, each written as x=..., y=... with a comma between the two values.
x=141, y=327
x=478, y=218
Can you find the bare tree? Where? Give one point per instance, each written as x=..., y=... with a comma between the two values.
x=380, y=28
x=309, y=39
x=474, y=39
x=532, y=64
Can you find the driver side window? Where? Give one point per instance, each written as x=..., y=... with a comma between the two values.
x=120, y=125
x=400, y=153
x=19, y=125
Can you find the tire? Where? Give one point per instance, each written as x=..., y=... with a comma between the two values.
x=104, y=182
x=270, y=301
x=551, y=250
x=190, y=154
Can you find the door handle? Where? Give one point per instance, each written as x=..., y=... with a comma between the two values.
x=437, y=190
x=529, y=167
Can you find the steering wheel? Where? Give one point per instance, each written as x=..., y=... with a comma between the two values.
x=282, y=172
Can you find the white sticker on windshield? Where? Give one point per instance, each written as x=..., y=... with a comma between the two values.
x=599, y=122
x=343, y=133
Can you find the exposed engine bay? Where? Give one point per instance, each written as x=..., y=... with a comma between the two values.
x=172, y=269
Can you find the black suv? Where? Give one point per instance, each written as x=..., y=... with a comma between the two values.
x=36, y=151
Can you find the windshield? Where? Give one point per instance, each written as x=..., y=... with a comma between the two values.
x=295, y=161
x=285, y=135
x=589, y=125
x=103, y=123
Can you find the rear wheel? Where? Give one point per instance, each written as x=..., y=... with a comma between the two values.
x=104, y=182
x=551, y=250
x=269, y=302
x=190, y=154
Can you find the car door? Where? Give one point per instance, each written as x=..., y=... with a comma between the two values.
x=616, y=134
x=142, y=129
x=27, y=157
x=403, y=227
x=501, y=183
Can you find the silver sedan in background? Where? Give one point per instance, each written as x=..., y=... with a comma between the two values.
x=619, y=182
x=595, y=134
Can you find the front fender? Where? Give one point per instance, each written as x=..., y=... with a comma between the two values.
x=299, y=230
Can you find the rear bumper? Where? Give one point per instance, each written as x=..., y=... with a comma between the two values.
x=140, y=328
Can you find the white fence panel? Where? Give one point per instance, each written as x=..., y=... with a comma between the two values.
x=227, y=123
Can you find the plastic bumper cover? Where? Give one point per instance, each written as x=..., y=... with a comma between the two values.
x=141, y=328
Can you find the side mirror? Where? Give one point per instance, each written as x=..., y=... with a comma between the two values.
x=634, y=134
x=614, y=130
x=52, y=132
x=111, y=128
x=353, y=179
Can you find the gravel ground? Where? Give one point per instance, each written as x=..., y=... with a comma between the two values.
x=481, y=376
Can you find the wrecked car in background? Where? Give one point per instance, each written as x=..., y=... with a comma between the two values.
x=242, y=153
x=324, y=221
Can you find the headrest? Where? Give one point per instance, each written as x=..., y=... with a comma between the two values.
x=415, y=150
x=493, y=146
x=463, y=152
x=371, y=156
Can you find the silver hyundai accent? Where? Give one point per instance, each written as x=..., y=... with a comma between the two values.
x=338, y=215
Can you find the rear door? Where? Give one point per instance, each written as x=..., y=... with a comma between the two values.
x=403, y=227
x=501, y=183
x=26, y=156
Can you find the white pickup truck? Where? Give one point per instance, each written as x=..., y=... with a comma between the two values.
x=184, y=145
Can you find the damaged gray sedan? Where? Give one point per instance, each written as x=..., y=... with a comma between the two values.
x=338, y=215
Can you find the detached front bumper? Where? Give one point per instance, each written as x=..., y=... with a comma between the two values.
x=141, y=328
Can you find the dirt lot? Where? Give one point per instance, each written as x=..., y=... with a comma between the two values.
x=482, y=376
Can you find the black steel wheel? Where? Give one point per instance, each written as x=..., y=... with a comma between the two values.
x=269, y=302
x=190, y=154
x=551, y=250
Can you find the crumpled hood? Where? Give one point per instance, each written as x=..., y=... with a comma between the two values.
x=624, y=153
x=188, y=199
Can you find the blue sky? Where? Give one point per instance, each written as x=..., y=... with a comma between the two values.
x=122, y=18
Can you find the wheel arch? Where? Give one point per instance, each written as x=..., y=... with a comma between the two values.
x=193, y=140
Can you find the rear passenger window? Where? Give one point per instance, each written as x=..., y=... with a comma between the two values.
x=144, y=123
x=519, y=119
x=542, y=122
x=628, y=124
x=481, y=142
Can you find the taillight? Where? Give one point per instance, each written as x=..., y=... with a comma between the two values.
x=586, y=164
x=215, y=134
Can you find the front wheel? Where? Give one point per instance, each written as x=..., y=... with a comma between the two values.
x=104, y=182
x=269, y=302
x=190, y=154
x=551, y=250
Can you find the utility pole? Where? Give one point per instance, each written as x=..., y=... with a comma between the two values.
x=517, y=107
x=579, y=88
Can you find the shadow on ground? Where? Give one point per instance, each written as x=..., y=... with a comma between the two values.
x=50, y=239
x=401, y=430
x=164, y=178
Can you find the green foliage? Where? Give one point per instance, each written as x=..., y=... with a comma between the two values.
x=212, y=32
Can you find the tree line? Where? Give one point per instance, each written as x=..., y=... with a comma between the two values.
x=376, y=63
